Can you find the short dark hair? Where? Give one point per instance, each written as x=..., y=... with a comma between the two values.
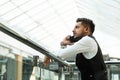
x=87, y=22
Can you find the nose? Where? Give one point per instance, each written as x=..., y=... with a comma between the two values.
x=73, y=30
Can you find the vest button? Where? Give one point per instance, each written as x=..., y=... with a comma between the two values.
x=91, y=75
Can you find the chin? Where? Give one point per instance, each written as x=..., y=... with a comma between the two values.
x=76, y=36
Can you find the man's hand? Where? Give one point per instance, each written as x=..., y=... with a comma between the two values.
x=46, y=61
x=66, y=41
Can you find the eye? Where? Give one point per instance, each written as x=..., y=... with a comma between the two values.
x=76, y=26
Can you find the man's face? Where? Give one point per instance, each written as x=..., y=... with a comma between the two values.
x=79, y=30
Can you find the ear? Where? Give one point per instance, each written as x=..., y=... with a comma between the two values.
x=86, y=29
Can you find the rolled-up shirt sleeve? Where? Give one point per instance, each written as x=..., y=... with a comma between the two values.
x=84, y=45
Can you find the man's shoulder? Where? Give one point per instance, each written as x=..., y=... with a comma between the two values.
x=87, y=37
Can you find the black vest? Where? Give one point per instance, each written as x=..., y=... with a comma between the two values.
x=89, y=67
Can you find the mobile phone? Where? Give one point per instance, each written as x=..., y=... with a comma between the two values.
x=72, y=39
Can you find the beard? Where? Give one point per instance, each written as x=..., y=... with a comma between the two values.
x=75, y=39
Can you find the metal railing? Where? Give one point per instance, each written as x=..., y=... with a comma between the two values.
x=30, y=43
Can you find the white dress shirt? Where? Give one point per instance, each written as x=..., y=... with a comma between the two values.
x=86, y=45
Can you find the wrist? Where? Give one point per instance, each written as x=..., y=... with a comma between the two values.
x=63, y=46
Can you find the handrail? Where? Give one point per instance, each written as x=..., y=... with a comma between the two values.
x=106, y=62
x=30, y=43
x=112, y=62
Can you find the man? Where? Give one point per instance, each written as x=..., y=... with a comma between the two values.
x=84, y=47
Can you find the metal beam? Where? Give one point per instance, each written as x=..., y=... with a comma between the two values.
x=30, y=43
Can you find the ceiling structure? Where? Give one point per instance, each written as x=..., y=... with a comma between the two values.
x=47, y=22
